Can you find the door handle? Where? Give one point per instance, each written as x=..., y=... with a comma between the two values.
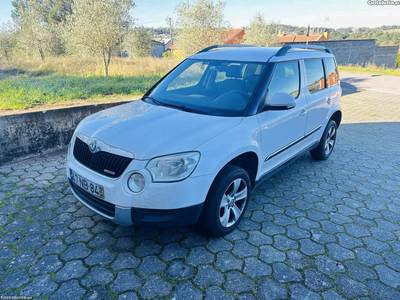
x=303, y=113
x=328, y=100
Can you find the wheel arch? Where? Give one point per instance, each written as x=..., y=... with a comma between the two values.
x=337, y=117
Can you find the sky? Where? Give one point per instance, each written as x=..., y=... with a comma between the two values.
x=317, y=13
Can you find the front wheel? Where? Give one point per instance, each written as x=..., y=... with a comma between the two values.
x=226, y=201
x=327, y=142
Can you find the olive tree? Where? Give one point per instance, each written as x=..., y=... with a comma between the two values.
x=96, y=27
x=200, y=24
x=261, y=33
x=138, y=42
x=7, y=40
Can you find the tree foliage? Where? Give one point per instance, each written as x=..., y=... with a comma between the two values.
x=7, y=41
x=96, y=27
x=201, y=24
x=138, y=42
x=261, y=33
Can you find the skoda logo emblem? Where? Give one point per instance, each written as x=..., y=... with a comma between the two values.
x=93, y=145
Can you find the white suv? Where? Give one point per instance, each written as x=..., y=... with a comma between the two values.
x=192, y=149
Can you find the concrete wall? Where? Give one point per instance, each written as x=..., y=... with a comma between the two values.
x=35, y=133
x=360, y=52
x=386, y=56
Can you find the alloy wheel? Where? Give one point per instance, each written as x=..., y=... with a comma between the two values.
x=233, y=202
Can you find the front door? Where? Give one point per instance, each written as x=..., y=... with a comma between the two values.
x=281, y=130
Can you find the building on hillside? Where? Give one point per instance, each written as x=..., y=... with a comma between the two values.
x=158, y=48
x=303, y=38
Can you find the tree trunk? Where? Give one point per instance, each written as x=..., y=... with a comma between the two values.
x=41, y=53
x=7, y=56
x=106, y=60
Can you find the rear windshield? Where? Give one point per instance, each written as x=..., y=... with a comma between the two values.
x=215, y=87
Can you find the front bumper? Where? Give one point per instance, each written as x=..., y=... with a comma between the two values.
x=159, y=204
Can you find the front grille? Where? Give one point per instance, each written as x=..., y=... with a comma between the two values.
x=102, y=206
x=100, y=161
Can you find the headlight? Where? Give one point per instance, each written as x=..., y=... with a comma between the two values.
x=136, y=182
x=173, y=167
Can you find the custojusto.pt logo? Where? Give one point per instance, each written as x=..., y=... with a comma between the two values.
x=383, y=2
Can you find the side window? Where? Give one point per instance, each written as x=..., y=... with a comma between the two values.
x=286, y=79
x=315, y=75
x=190, y=77
x=331, y=72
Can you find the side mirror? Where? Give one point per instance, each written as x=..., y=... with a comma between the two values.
x=281, y=101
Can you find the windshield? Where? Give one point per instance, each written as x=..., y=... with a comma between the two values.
x=215, y=87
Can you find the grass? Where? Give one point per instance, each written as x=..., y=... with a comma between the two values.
x=370, y=69
x=65, y=80
x=25, y=92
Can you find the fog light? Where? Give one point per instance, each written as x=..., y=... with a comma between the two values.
x=136, y=182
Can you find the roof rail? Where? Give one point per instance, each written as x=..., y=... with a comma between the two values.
x=286, y=48
x=226, y=46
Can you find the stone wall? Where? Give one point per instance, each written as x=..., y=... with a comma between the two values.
x=360, y=52
x=34, y=133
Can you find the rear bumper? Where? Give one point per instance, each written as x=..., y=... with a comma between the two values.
x=138, y=216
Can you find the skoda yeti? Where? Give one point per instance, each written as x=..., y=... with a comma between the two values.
x=192, y=149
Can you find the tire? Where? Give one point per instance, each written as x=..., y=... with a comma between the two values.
x=226, y=202
x=327, y=142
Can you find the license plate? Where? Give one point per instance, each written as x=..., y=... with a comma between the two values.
x=87, y=185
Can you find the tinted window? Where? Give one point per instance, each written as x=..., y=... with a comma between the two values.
x=315, y=75
x=216, y=87
x=331, y=71
x=286, y=79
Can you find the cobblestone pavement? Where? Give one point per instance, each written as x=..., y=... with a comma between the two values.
x=317, y=230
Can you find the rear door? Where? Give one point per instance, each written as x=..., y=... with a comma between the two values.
x=318, y=100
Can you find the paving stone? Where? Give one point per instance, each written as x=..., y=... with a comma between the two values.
x=186, y=290
x=382, y=235
x=244, y=249
x=236, y=235
x=257, y=238
x=22, y=260
x=98, y=292
x=125, y=261
x=155, y=286
x=381, y=291
x=71, y=270
x=350, y=288
x=52, y=247
x=80, y=235
x=102, y=240
x=99, y=257
x=283, y=274
x=298, y=260
x=199, y=255
x=128, y=296
x=41, y=285
x=296, y=233
x=97, y=275
x=368, y=258
x=329, y=266
x=237, y=283
x=299, y=292
x=69, y=290
x=207, y=275
x=339, y=253
x=14, y=279
x=147, y=248
x=359, y=272
x=84, y=222
x=309, y=247
x=193, y=239
x=126, y=280
x=11, y=238
x=348, y=241
x=31, y=242
x=317, y=281
x=75, y=251
x=388, y=276
x=226, y=261
x=269, y=290
x=173, y=251
x=271, y=255
x=125, y=244
x=6, y=253
x=271, y=229
x=283, y=243
x=47, y=264
x=356, y=231
x=393, y=260
x=177, y=270
x=216, y=293
x=332, y=295
x=17, y=224
x=151, y=265
x=256, y=268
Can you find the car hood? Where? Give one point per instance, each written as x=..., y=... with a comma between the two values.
x=147, y=130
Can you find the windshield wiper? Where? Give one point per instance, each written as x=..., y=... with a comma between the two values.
x=181, y=107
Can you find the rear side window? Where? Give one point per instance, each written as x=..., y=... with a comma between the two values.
x=315, y=75
x=286, y=79
x=331, y=72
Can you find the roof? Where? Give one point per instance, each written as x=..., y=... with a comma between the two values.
x=302, y=38
x=256, y=54
x=235, y=36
